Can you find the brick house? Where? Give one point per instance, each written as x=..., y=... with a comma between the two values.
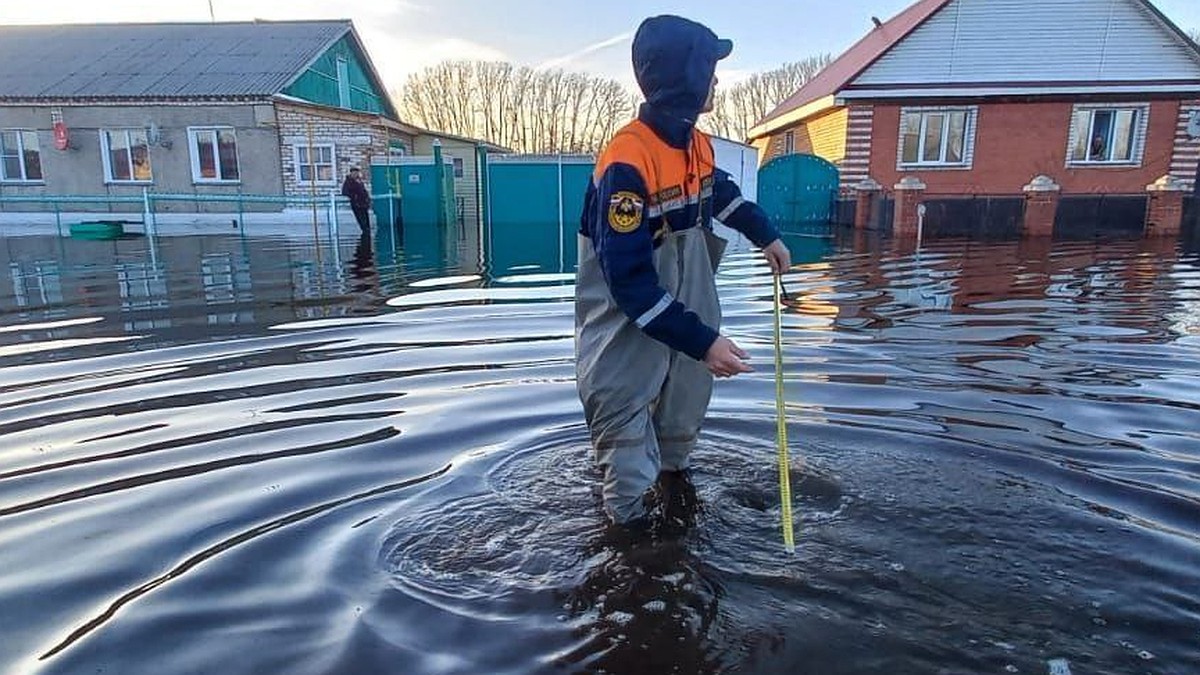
x=970, y=98
x=208, y=109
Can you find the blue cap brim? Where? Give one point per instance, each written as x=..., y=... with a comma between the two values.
x=724, y=48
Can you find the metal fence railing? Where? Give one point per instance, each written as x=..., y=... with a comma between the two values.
x=324, y=207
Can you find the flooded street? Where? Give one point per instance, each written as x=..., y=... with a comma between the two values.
x=260, y=455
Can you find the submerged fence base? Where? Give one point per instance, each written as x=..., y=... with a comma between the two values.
x=320, y=215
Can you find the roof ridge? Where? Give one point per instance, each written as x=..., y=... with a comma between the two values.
x=161, y=60
x=253, y=22
x=858, y=57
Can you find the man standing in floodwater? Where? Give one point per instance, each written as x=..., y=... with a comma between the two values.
x=360, y=199
x=646, y=310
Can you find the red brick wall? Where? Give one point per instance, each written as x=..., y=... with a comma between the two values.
x=1015, y=142
x=775, y=147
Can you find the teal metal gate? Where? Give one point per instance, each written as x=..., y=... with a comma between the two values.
x=418, y=192
x=533, y=208
x=799, y=193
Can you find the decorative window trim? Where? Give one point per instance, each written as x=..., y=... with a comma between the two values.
x=971, y=124
x=193, y=135
x=332, y=182
x=1140, y=132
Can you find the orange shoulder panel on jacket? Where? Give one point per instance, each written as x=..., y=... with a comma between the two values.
x=704, y=148
x=628, y=146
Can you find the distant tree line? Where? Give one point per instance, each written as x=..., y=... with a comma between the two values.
x=738, y=107
x=522, y=108
x=549, y=111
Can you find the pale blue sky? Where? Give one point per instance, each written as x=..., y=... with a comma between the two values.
x=406, y=35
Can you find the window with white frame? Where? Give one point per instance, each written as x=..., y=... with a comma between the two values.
x=316, y=160
x=459, y=166
x=126, y=154
x=1107, y=135
x=937, y=137
x=214, y=155
x=20, y=156
x=789, y=142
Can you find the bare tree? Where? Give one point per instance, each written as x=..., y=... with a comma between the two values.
x=1194, y=34
x=738, y=108
x=548, y=111
x=522, y=108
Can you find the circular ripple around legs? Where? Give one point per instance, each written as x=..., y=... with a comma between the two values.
x=519, y=532
x=499, y=528
x=740, y=513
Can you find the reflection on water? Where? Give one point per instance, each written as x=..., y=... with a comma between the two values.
x=268, y=454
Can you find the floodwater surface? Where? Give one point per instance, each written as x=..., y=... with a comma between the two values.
x=228, y=454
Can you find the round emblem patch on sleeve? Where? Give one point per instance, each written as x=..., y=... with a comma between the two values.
x=625, y=212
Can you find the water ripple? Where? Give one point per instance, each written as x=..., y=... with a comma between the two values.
x=252, y=462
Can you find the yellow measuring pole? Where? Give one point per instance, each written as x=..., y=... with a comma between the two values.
x=785, y=478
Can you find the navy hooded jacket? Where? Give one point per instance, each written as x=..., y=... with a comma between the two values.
x=625, y=217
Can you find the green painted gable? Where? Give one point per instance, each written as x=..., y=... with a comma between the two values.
x=319, y=83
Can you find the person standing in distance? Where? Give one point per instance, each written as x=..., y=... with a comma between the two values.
x=360, y=199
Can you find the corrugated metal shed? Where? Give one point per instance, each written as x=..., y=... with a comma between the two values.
x=159, y=61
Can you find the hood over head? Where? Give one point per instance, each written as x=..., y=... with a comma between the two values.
x=674, y=60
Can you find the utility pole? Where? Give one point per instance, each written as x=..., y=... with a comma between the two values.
x=212, y=16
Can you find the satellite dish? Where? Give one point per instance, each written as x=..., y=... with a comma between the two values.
x=1193, y=127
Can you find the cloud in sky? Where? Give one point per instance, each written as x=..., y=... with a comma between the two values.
x=396, y=58
x=560, y=61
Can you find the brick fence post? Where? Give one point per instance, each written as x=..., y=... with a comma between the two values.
x=1041, y=205
x=1164, y=210
x=866, y=201
x=909, y=193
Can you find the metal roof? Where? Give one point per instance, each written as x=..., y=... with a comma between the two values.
x=1005, y=28
x=852, y=62
x=159, y=61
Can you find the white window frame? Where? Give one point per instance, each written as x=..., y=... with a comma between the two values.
x=194, y=150
x=332, y=163
x=25, y=179
x=789, y=142
x=968, y=144
x=106, y=155
x=1141, y=126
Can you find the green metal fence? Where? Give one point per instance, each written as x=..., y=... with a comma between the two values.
x=533, y=208
x=419, y=194
x=798, y=193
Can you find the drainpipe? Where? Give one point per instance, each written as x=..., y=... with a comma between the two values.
x=439, y=179
x=483, y=195
x=481, y=177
